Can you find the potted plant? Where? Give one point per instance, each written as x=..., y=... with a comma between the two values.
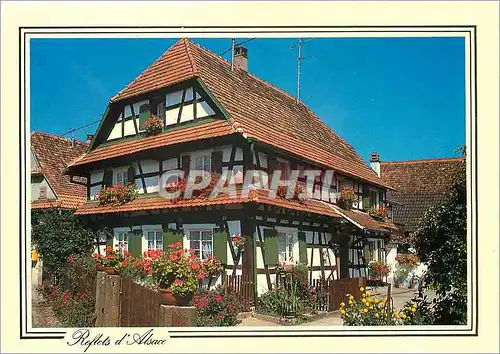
x=347, y=198
x=153, y=125
x=176, y=273
x=114, y=261
x=117, y=195
x=378, y=213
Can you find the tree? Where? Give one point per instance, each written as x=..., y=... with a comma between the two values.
x=57, y=235
x=441, y=242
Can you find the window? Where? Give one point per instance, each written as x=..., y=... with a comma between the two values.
x=155, y=239
x=43, y=192
x=373, y=198
x=122, y=237
x=285, y=247
x=120, y=177
x=202, y=163
x=201, y=241
x=381, y=251
x=371, y=251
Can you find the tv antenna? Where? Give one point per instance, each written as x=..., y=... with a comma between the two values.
x=300, y=58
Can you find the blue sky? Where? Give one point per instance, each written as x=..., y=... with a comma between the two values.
x=402, y=97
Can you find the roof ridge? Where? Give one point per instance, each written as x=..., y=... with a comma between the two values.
x=59, y=137
x=187, y=45
x=115, y=97
x=409, y=162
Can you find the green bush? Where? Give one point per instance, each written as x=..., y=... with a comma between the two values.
x=57, y=235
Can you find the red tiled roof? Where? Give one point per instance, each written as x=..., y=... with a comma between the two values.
x=53, y=154
x=365, y=221
x=419, y=184
x=264, y=112
x=207, y=130
x=158, y=202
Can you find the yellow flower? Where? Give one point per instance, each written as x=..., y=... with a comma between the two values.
x=367, y=293
x=385, y=300
x=403, y=315
x=363, y=295
x=377, y=315
x=362, y=289
x=351, y=302
x=371, y=307
x=342, y=312
x=414, y=306
x=376, y=300
x=342, y=304
x=351, y=297
x=365, y=310
x=363, y=301
x=413, y=309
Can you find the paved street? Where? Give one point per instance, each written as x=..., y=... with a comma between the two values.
x=42, y=314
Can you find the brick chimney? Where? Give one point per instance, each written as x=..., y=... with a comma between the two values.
x=375, y=162
x=241, y=58
x=89, y=138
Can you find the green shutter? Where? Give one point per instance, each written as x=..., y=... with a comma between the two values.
x=109, y=241
x=131, y=175
x=270, y=247
x=366, y=197
x=302, y=247
x=220, y=246
x=142, y=119
x=107, y=179
x=135, y=243
x=172, y=236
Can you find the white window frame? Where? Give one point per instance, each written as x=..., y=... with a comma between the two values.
x=291, y=248
x=200, y=230
x=116, y=238
x=201, y=154
x=157, y=230
x=123, y=171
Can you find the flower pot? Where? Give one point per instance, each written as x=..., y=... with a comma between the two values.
x=168, y=298
x=111, y=271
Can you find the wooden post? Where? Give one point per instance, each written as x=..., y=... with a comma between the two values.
x=344, y=252
x=389, y=289
x=100, y=297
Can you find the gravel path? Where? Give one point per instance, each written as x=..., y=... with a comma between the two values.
x=42, y=314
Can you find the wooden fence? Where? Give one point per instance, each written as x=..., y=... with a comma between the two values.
x=139, y=305
x=333, y=292
x=242, y=287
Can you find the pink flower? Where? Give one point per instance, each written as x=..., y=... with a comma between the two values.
x=178, y=282
x=218, y=297
x=71, y=260
x=122, y=245
x=201, y=276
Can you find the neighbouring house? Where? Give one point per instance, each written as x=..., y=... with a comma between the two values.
x=217, y=118
x=418, y=186
x=50, y=186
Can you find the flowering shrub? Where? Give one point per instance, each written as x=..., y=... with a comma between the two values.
x=181, y=270
x=238, y=240
x=408, y=259
x=372, y=311
x=72, y=300
x=293, y=273
x=378, y=270
x=181, y=185
x=378, y=213
x=153, y=125
x=347, y=198
x=281, y=191
x=216, y=308
x=114, y=259
x=117, y=195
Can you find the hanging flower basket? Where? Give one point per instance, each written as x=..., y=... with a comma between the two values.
x=347, y=198
x=153, y=125
x=238, y=241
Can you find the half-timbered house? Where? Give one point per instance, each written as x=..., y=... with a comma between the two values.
x=218, y=117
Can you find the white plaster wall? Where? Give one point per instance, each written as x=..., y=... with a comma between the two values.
x=129, y=128
x=116, y=132
x=391, y=260
x=35, y=190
